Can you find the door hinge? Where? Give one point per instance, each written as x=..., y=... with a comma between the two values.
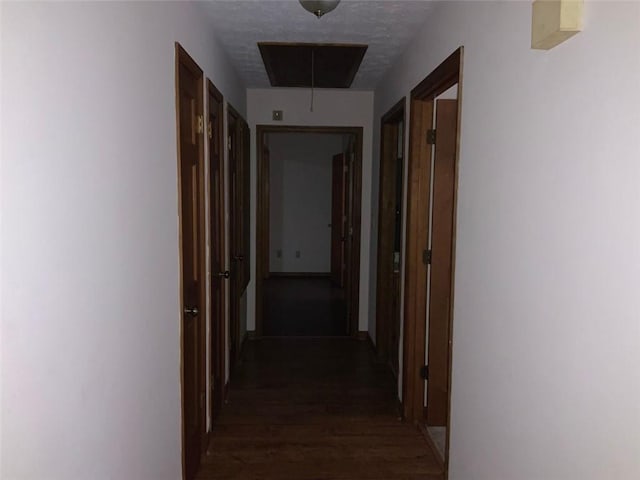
x=200, y=124
x=431, y=136
x=424, y=372
x=209, y=131
x=229, y=142
x=426, y=257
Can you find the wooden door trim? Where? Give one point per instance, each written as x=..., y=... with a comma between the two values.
x=184, y=59
x=217, y=352
x=445, y=76
x=394, y=115
x=262, y=214
x=233, y=112
x=339, y=205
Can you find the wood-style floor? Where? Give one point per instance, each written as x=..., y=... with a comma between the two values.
x=314, y=409
x=303, y=306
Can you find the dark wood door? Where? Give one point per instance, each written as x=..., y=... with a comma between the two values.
x=338, y=219
x=390, y=237
x=216, y=251
x=245, y=200
x=235, y=242
x=192, y=224
x=386, y=239
x=353, y=192
x=239, y=221
x=262, y=231
x=441, y=262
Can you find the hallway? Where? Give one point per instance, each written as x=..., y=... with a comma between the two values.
x=304, y=306
x=314, y=409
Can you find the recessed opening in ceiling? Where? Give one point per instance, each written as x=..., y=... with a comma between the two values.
x=290, y=64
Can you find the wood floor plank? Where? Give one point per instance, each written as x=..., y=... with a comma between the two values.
x=314, y=409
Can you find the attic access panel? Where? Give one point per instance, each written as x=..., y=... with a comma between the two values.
x=289, y=64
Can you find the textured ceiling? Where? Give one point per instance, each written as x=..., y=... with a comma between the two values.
x=386, y=26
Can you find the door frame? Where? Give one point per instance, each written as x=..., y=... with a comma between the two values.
x=339, y=171
x=262, y=217
x=183, y=58
x=217, y=326
x=445, y=76
x=393, y=116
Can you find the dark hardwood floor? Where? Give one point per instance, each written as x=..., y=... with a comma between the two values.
x=303, y=306
x=312, y=409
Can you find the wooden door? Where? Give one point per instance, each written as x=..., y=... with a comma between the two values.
x=394, y=338
x=441, y=262
x=338, y=219
x=263, y=213
x=385, y=289
x=235, y=242
x=352, y=234
x=245, y=188
x=192, y=224
x=239, y=221
x=216, y=251
x=390, y=237
x=262, y=228
x=415, y=291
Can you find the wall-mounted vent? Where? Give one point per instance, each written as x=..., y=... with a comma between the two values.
x=290, y=64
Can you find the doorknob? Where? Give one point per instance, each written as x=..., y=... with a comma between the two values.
x=193, y=311
x=224, y=274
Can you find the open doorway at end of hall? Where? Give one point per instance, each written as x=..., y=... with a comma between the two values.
x=308, y=230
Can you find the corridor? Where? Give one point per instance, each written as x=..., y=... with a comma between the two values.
x=314, y=408
x=304, y=307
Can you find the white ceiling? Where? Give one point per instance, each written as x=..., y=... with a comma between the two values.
x=386, y=26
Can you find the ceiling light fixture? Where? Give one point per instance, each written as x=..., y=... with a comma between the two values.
x=319, y=7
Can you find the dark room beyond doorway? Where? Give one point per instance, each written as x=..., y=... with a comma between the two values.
x=307, y=213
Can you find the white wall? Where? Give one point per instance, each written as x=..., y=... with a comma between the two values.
x=90, y=267
x=344, y=108
x=546, y=343
x=300, y=168
x=1, y=245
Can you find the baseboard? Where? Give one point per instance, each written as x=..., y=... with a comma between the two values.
x=364, y=336
x=300, y=274
x=432, y=445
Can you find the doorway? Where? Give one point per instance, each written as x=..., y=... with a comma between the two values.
x=308, y=230
x=391, y=194
x=191, y=198
x=430, y=258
